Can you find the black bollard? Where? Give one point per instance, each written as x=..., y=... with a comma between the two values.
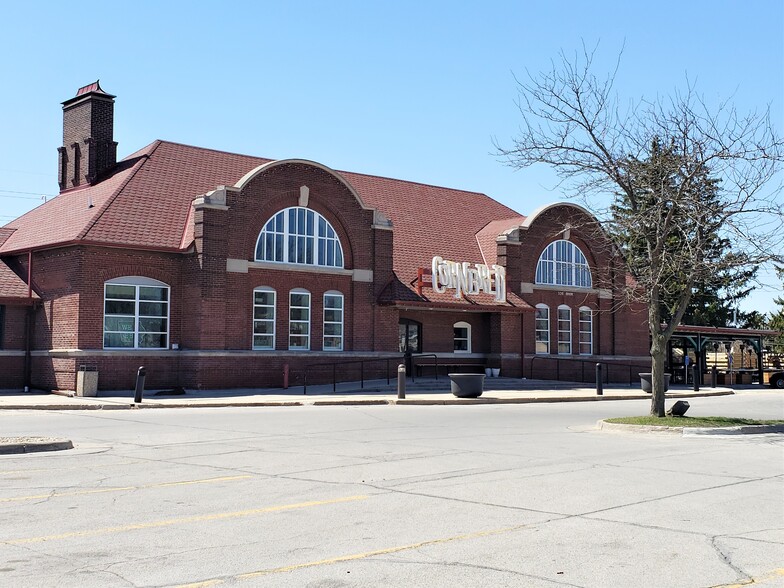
x=714, y=376
x=140, y=376
x=695, y=378
x=401, y=381
x=599, y=383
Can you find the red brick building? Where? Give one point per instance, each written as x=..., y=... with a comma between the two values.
x=214, y=269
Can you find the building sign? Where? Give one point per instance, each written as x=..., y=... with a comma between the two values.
x=469, y=279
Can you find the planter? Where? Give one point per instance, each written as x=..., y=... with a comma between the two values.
x=496, y=372
x=488, y=372
x=646, y=379
x=467, y=385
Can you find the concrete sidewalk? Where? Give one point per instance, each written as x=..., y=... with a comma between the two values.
x=425, y=391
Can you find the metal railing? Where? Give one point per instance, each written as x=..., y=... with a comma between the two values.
x=348, y=362
x=591, y=371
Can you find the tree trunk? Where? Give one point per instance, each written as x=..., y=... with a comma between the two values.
x=658, y=356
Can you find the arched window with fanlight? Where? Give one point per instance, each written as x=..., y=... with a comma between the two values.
x=302, y=236
x=562, y=263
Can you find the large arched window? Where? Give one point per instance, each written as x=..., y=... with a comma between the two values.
x=135, y=313
x=563, y=264
x=299, y=235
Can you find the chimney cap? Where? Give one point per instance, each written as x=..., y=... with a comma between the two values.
x=89, y=89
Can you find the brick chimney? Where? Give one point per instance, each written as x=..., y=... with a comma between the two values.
x=88, y=147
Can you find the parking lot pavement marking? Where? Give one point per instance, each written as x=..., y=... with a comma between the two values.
x=124, y=488
x=181, y=521
x=757, y=580
x=352, y=557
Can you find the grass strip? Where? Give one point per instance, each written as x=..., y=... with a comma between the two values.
x=686, y=421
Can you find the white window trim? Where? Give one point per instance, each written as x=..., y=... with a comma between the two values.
x=547, y=352
x=581, y=331
x=286, y=233
x=273, y=320
x=549, y=256
x=467, y=327
x=342, y=323
x=310, y=314
x=136, y=282
x=567, y=340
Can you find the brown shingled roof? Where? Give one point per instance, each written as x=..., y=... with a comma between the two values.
x=12, y=287
x=146, y=201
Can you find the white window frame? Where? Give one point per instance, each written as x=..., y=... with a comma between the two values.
x=342, y=309
x=544, y=332
x=583, y=330
x=300, y=236
x=564, y=335
x=137, y=282
x=255, y=321
x=467, y=338
x=292, y=322
x=562, y=263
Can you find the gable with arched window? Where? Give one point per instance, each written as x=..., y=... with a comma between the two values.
x=562, y=263
x=299, y=235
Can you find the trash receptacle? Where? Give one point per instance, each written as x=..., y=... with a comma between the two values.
x=87, y=381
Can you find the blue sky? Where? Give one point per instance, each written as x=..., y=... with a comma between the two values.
x=411, y=90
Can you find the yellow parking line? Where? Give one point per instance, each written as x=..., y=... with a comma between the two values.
x=352, y=557
x=180, y=521
x=123, y=488
x=769, y=576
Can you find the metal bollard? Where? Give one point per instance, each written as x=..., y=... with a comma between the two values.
x=695, y=378
x=599, y=383
x=401, y=381
x=714, y=376
x=140, y=376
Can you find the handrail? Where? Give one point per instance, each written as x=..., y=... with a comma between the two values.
x=333, y=364
x=413, y=363
x=559, y=359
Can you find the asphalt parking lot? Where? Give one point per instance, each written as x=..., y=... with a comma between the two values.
x=486, y=495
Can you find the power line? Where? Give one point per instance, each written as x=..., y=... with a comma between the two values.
x=17, y=192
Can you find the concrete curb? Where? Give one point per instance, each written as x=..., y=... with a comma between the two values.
x=439, y=399
x=34, y=445
x=690, y=431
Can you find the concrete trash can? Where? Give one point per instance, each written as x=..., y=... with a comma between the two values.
x=467, y=385
x=86, y=381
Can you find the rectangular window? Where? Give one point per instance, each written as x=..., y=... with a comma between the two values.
x=586, y=332
x=299, y=320
x=564, y=331
x=333, y=322
x=264, y=319
x=462, y=337
x=542, y=329
x=135, y=317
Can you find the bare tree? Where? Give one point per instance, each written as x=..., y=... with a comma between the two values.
x=669, y=180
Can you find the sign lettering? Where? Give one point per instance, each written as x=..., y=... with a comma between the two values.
x=469, y=279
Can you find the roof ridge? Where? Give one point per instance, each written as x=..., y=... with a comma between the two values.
x=376, y=176
x=178, y=144
x=138, y=165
